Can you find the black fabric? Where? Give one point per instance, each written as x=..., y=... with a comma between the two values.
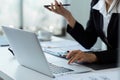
x=88, y=37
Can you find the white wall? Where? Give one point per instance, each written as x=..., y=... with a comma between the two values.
x=80, y=10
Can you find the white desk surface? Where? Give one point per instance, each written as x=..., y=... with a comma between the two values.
x=107, y=74
x=10, y=66
x=13, y=69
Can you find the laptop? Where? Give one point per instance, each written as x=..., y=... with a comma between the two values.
x=4, y=76
x=29, y=53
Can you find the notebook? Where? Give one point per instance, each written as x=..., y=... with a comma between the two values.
x=28, y=52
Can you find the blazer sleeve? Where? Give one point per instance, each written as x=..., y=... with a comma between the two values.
x=108, y=56
x=86, y=37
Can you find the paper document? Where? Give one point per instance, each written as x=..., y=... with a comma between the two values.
x=100, y=75
x=60, y=48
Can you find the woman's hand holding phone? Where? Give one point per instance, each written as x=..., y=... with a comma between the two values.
x=59, y=9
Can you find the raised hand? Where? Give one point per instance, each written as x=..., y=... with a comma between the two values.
x=59, y=9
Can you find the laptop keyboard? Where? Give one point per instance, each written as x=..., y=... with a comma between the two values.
x=56, y=69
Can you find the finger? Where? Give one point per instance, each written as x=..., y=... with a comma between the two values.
x=61, y=5
x=48, y=8
x=73, y=59
x=80, y=60
x=72, y=53
x=52, y=7
x=56, y=3
x=79, y=56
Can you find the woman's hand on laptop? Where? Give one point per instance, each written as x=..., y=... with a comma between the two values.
x=80, y=56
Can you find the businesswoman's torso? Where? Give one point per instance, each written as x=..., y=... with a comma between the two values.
x=100, y=24
x=107, y=21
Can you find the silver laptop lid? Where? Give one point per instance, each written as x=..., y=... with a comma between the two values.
x=27, y=50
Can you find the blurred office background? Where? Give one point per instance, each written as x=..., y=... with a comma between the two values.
x=31, y=15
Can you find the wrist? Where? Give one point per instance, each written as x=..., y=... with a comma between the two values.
x=91, y=58
x=70, y=19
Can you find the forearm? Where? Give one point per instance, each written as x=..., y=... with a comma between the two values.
x=70, y=19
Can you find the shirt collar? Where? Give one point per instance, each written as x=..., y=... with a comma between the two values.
x=101, y=6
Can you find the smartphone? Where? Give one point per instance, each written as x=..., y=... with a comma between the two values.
x=54, y=5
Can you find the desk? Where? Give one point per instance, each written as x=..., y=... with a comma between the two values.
x=12, y=68
x=107, y=74
x=93, y=66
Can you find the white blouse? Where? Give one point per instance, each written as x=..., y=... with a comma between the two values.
x=101, y=6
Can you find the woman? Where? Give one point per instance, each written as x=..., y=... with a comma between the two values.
x=103, y=22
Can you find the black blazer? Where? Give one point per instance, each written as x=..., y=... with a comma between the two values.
x=94, y=29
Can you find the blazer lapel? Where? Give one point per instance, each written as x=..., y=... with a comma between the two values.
x=99, y=28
